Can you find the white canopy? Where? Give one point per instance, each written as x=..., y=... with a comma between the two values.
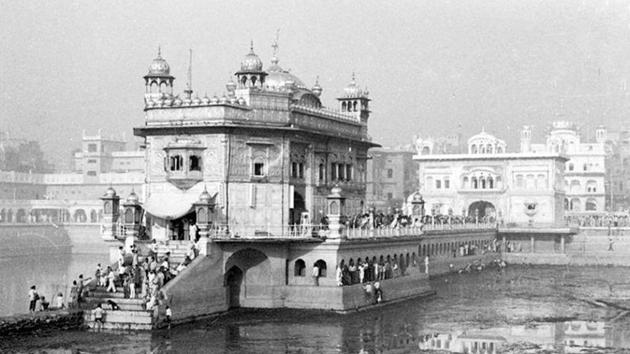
x=171, y=205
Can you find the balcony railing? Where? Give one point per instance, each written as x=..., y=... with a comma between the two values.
x=223, y=231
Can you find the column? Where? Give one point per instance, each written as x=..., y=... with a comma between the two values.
x=562, y=244
x=531, y=239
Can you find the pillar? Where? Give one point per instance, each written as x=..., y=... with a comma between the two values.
x=204, y=210
x=336, y=203
x=531, y=240
x=131, y=219
x=110, y=214
x=561, y=243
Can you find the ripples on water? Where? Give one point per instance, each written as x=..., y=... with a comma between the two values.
x=523, y=310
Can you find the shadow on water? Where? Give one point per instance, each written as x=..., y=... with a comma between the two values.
x=524, y=309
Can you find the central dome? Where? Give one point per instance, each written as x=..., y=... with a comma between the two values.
x=278, y=78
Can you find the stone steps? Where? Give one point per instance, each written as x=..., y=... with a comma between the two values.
x=124, y=304
x=112, y=326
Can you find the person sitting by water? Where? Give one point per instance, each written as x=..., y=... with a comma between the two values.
x=43, y=304
x=378, y=292
x=114, y=306
x=339, y=276
x=191, y=252
x=58, y=303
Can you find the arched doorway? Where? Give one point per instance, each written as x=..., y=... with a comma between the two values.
x=233, y=281
x=248, y=275
x=481, y=210
x=298, y=208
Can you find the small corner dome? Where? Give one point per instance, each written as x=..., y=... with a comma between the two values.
x=353, y=90
x=110, y=192
x=133, y=198
x=159, y=67
x=251, y=62
x=205, y=197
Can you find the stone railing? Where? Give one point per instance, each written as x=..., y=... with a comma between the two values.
x=227, y=231
x=235, y=231
x=414, y=230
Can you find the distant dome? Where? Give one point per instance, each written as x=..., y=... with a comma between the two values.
x=251, y=62
x=352, y=90
x=280, y=79
x=133, y=198
x=110, y=192
x=159, y=66
x=205, y=197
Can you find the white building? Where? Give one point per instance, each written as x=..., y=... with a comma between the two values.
x=585, y=172
x=489, y=184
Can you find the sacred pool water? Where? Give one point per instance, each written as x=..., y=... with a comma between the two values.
x=538, y=309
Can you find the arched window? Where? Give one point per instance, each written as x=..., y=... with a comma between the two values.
x=591, y=204
x=474, y=182
x=354, y=106
x=425, y=151
x=176, y=163
x=254, y=79
x=299, y=268
x=575, y=204
x=473, y=149
x=343, y=106
x=566, y=203
x=483, y=182
x=571, y=167
x=591, y=186
x=490, y=183
x=322, y=267
x=465, y=182
x=575, y=186
x=499, y=150
x=195, y=163
x=489, y=149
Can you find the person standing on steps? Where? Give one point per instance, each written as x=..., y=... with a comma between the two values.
x=98, y=317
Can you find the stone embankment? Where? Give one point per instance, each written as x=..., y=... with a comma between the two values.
x=40, y=322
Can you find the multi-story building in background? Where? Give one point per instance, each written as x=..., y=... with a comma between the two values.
x=585, y=171
x=392, y=176
x=70, y=196
x=487, y=183
x=618, y=171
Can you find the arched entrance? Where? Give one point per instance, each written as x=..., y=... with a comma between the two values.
x=298, y=208
x=247, y=275
x=233, y=281
x=482, y=210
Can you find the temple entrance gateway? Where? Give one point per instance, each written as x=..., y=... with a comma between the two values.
x=482, y=210
x=248, y=276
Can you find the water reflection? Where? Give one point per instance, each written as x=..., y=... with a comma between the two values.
x=51, y=274
x=566, y=337
x=477, y=313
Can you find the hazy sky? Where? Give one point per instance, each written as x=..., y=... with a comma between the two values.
x=430, y=66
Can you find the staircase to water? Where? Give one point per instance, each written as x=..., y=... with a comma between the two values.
x=132, y=313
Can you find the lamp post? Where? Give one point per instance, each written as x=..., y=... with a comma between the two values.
x=336, y=205
x=204, y=210
x=132, y=215
x=111, y=203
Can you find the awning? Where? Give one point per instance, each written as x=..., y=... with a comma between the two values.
x=172, y=205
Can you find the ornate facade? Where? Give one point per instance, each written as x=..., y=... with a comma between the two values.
x=585, y=172
x=267, y=149
x=488, y=183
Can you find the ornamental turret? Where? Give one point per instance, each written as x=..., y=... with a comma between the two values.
x=355, y=101
x=251, y=74
x=158, y=81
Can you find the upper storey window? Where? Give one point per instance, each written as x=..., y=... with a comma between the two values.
x=183, y=162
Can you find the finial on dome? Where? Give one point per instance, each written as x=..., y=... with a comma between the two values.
x=251, y=45
x=353, y=77
x=275, y=46
x=159, y=51
x=317, y=89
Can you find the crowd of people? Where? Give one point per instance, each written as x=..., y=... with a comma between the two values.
x=395, y=218
x=40, y=303
x=620, y=220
